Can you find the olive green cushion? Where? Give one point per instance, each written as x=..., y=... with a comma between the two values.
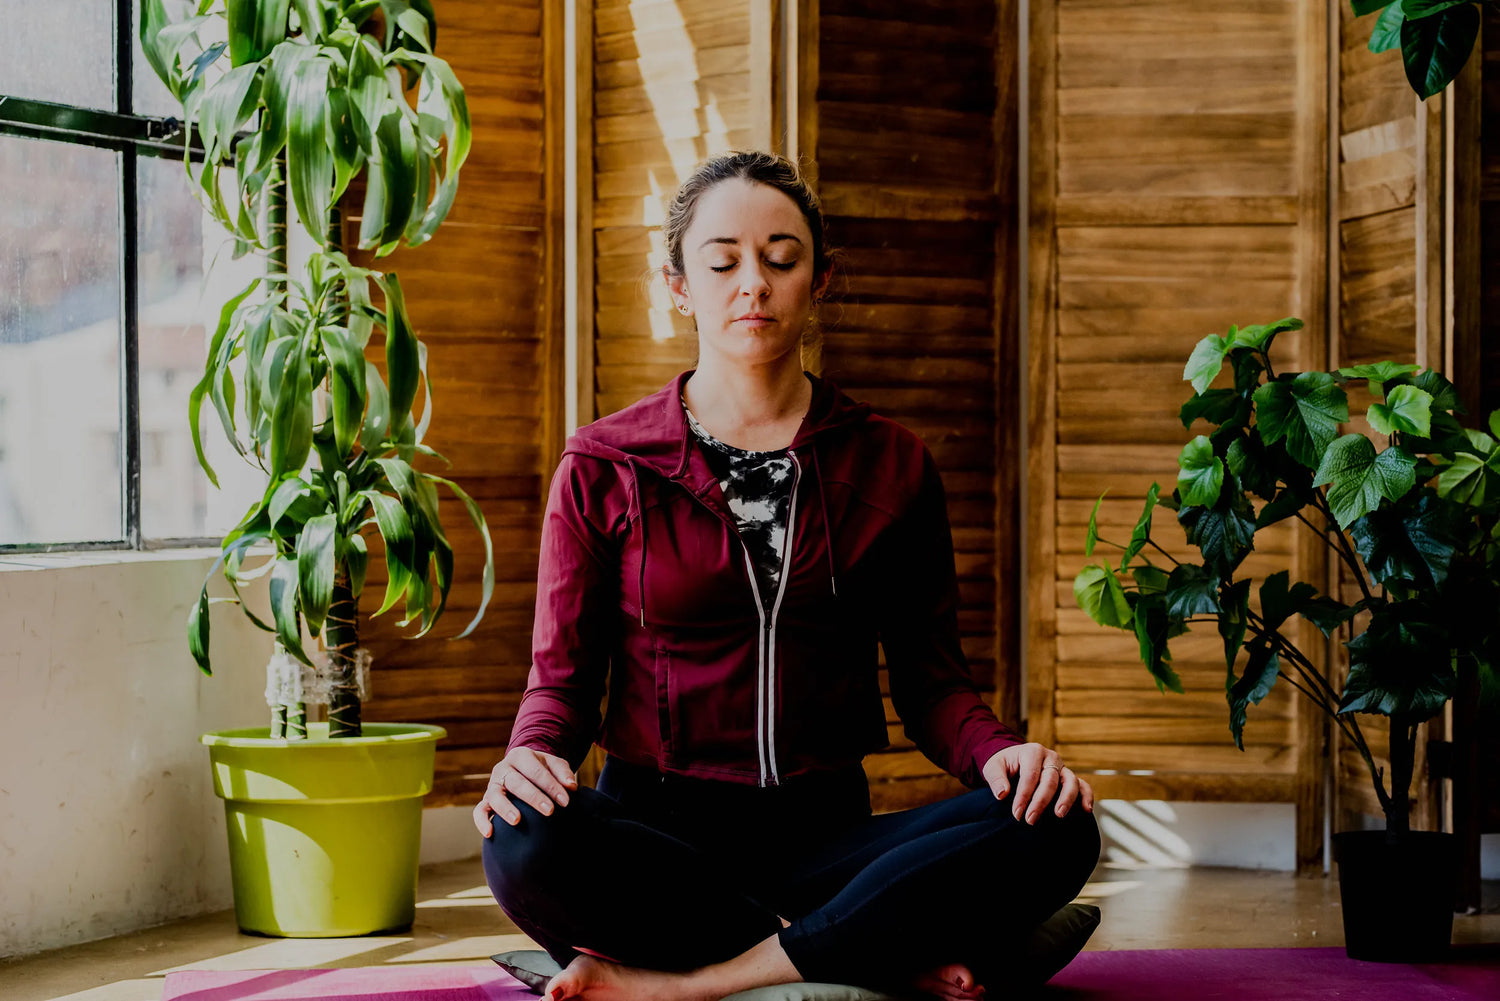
x=1046, y=951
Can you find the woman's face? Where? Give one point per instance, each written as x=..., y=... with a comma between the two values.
x=748, y=272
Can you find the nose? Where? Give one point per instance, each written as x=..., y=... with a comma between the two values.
x=753, y=281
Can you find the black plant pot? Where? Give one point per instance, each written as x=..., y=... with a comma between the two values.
x=1397, y=894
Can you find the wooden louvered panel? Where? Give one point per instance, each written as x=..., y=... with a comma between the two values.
x=671, y=84
x=481, y=300
x=903, y=122
x=1178, y=168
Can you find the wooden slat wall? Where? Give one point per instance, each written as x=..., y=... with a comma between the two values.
x=674, y=82
x=483, y=299
x=905, y=132
x=1178, y=185
x=1389, y=215
x=1488, y=278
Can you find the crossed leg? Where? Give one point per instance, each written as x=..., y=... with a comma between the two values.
x=890, y=898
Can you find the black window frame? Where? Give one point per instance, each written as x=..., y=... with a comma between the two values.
x=132, y=136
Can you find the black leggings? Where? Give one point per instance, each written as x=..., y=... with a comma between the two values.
x=673, y=873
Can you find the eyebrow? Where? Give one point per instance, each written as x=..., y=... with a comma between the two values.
x=732, y=241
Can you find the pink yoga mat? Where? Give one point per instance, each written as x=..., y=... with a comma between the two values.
x=400, y=983
x=1159, y=975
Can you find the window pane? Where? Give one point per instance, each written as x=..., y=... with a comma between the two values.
x=179, y=244
x=60, y=423
x=150, y=95
x=59, y=50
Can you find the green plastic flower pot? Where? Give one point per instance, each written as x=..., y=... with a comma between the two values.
x=324, y=834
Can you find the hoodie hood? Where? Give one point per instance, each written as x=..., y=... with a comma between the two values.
x=653, y=435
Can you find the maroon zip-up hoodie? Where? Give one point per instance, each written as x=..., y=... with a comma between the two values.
x=644, y=582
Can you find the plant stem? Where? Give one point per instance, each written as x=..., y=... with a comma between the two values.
x=1345, y=550
x=1159, y=549
x=278, y=721
x=341, y=634
x=1403, y=749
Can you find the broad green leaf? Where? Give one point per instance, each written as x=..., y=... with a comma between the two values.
x=347, y=371
x=1207, y=359
x=1305, y=411
x=1153, y=628
x=1363, y=7
x=1099, y=594
x=1495, y=423
x=309, y=155
x=1248, y=460
x=195, y=398
x=1284, y=505
x=358, y=557
x=1217, y=406
x=284, y=607
x=1409, y=542
x=477, y=518
x=368, y=92
x=1201, y=474
x=1233, y=617
x=312, y=20
x=1141, y=534
x=1254, y=685
x=396, y=530
x=292, y=413
x=1280, y=599
x=255, y=26
x=1386, y=34
x=1380, y=372
x=1259, y=337
x=1401, y=664
x=1224, y=534
x=1435, y=47
x=1407, y=409
x=1358, y=478
x=390, y=198
x=1192, y=590
x=347, y=156
x=198, y=626
x=1150, y=579
x=1091, y=538
x=315, y=568
x=376, y=427
x=295, y=501
x=401, y=356
x=1415, y=9
x=1465, y=480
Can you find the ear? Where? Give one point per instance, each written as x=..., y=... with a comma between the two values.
x=820, y=284
x=676, y=285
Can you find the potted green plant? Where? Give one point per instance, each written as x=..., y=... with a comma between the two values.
x=324, y=819
x=1412, y=518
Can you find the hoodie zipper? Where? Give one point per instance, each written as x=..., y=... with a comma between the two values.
x=765, y=648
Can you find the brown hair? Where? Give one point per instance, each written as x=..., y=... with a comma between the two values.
x=771, y=169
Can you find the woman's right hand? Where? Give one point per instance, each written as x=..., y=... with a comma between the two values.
x=535, y=776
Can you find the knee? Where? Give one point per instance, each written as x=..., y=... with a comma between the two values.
x=528, y=852
x=1077, y=842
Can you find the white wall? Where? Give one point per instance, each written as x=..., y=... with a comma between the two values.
x=108, y=819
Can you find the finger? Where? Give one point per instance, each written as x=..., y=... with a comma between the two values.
x=540, y=778
x=1087, y=792
x=520, y=786
x=482, y=819
x=560, y=768
x=1027, y=776
x=496, y=800
x=1046, y=788
x=1068, y=794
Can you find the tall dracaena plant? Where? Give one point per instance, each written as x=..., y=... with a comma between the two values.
x=315, y=92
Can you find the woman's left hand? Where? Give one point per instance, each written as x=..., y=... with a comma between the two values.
x=1035, y=773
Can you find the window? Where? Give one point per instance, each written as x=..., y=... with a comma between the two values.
x=111, y=279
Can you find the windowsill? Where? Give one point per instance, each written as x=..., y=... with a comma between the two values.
x=108, y=557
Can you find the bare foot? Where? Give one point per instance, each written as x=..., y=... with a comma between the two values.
x=951, y=981
x=599, y=980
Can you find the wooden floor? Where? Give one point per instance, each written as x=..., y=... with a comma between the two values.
x=459, y=923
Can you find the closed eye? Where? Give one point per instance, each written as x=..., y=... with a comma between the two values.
x=775, y=264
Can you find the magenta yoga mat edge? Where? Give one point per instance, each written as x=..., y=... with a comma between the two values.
x=1306, y=974
x=395, y=983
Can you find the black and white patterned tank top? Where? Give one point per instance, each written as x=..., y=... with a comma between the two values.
x=758, y=488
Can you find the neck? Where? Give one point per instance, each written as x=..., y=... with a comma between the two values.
x=748, y=397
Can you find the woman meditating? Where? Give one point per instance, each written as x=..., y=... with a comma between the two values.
x=724, y=557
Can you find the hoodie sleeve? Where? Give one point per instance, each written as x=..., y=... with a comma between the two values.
x=575, y=611
x=932, y=690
